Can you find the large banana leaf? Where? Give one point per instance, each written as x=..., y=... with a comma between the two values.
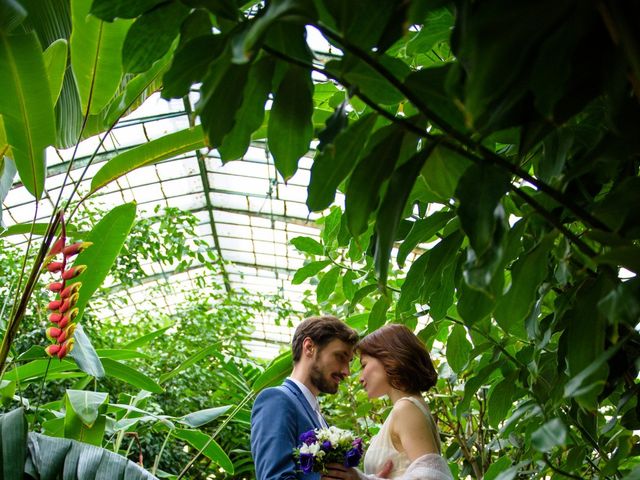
x=96, y=56
x=49, y=458
x=149, y=153
x=26, y=107
x=7, y=173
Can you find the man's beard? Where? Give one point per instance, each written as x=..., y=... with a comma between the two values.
x=320, y=382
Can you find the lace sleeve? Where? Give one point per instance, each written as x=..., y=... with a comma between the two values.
x=428, y=467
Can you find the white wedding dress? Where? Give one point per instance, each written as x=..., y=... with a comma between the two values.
x=431, y=466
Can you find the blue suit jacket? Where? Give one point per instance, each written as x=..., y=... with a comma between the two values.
x=278, y=418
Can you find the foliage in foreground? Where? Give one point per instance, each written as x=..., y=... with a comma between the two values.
x=499, y=138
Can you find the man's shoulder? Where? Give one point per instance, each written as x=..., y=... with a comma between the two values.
x=280, y=393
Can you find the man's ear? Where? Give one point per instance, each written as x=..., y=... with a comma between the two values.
x=308, y=347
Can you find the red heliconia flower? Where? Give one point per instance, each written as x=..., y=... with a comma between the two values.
x=71, y=289
x=57, y=246
x=75, y=248
x=73, y=272
x=56, y=286
x=55, y=266
x=54, y=304
x=53, y=333
x=65, y=305
x=55, y=317
x=65, y=348
x=52, y=350
x=64, y=322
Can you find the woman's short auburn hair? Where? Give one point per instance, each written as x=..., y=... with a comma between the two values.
x=404, y=357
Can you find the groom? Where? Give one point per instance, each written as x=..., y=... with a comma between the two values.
x=322, y=348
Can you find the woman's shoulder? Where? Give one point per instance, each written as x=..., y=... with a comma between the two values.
x=410, y=406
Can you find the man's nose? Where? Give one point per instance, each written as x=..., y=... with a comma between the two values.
x=345, y=370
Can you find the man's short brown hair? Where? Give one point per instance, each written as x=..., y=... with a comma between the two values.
x=321, y=330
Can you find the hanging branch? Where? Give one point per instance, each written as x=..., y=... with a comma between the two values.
x=486, y=154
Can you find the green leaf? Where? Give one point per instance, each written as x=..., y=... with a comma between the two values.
x=167, y=146
x=378, y=314
x=334, y=163
x=192, y=360
x=151, y=35
x=49, y=457
x=244, y=43
x=458, y=349
x=217, y=107
x=190, y=66
x=7, y=391
x=7, y=174
x=442, y=256
x=422, y=231
x=146, y=338
x=85, y=355
x=363, y=77
x=362, y=293
x=13, y=428
x=202, y=417
x=309, y=270
x=250, y=115
x=473, y=305
x=107, y=236
x=55, y=62
x=410, y=291
x=290, y=127
x=129, y=375
x=277, y=371
x=121, y=354
x=348, y=285
x=526, y=276
x=87, y=405
x=500, y=401
x=308, y=245
x=363, y=196
x=552, y=434
x=109, y=10
x=443, y=171
x=479, y=191
x=37, y=368
x=12, y=14
x=392, y=207
x=500, y=465
x=436, y=28
x=628, y=257
x=213, y=451
x=26, y=107
x=327, y=284
x=96, y=57
x=136, y=91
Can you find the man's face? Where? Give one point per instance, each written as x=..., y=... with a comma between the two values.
x=331, y=365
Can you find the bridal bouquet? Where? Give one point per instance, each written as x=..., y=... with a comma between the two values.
x=323, y=446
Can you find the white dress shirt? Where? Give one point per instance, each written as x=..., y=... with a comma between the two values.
x=312, y=400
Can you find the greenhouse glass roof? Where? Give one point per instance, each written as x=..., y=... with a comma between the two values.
x=244, y=209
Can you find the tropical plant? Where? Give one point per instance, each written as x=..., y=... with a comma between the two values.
x=492, y=144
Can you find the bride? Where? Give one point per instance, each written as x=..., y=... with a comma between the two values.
x=407, y=447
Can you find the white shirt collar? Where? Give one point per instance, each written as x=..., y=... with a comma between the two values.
x=311, y=398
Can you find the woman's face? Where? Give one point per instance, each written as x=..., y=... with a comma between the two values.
x=373, y=377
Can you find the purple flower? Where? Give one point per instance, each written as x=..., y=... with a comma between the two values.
x=306, y=462
x=357, y=444
x=352, y=458
x=308, y=437
x=326, y=446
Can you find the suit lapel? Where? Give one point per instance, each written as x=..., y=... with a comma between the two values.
x=293, y=388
